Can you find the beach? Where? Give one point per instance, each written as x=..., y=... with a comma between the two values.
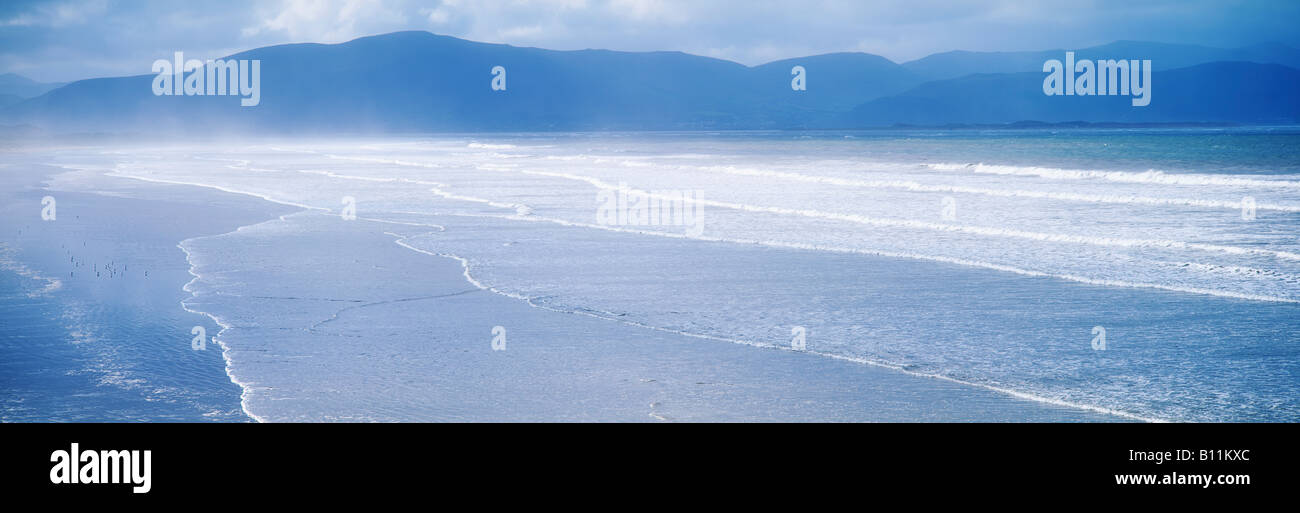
x=471, y=279
x=93, y=327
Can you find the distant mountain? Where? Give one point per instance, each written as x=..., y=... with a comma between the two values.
x=417, y=81
x=13, y=84
x=421, y=81
x=836, y=82
x=1240, y=92
x=1163, y=56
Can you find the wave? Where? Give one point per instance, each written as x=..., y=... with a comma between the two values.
x=1147, y=177
x=1234, y=270
x=904, y=223
x=119, y=173
x=379, y=160
x=926, y=225
x=894, y=254
x=246, y=388
x=914, y=186
x=522, y=211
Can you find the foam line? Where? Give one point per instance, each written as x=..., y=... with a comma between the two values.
x=1148, y=177
x=895, y=254
x=926, y=225
x=914, y=186
x=120, y=174
x=11, y=264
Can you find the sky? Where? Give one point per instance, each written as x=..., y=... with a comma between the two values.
x=63, y=40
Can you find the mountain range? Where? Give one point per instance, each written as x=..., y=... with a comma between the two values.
x=15, y=88
x=418, y=81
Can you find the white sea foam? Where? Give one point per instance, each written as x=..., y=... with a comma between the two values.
x=914, y=186
x=268, y=197
x=13, y=265
x=521, y=210
x=246, y=389
x=1149, y=177
x=924, y=225
x=895, y=254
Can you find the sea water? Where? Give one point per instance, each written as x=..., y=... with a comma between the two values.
x=1151, y=274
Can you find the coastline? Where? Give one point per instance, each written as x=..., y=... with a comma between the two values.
x=613, y=371
x=770, y=378
x=108, y=343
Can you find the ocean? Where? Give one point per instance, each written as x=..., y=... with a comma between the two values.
x=1097, y=274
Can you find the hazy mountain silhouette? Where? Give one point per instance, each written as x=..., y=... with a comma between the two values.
x=422, y=81
x=417, y=81
x=835, y=83
x=13, y=84
x=1163, y=56
x=1241, y=92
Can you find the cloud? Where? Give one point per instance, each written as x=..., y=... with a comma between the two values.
x=52, y=14
x=326, y=21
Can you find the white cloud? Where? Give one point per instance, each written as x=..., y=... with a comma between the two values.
x=327, y=21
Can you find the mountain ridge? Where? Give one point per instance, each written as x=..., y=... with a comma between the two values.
x=419, y=81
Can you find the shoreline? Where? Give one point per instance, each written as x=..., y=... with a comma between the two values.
x=1030, y=401
x=249, y=389
x=111, y=346
x=216, y=338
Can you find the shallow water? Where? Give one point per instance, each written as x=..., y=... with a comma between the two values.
x=90, y=324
